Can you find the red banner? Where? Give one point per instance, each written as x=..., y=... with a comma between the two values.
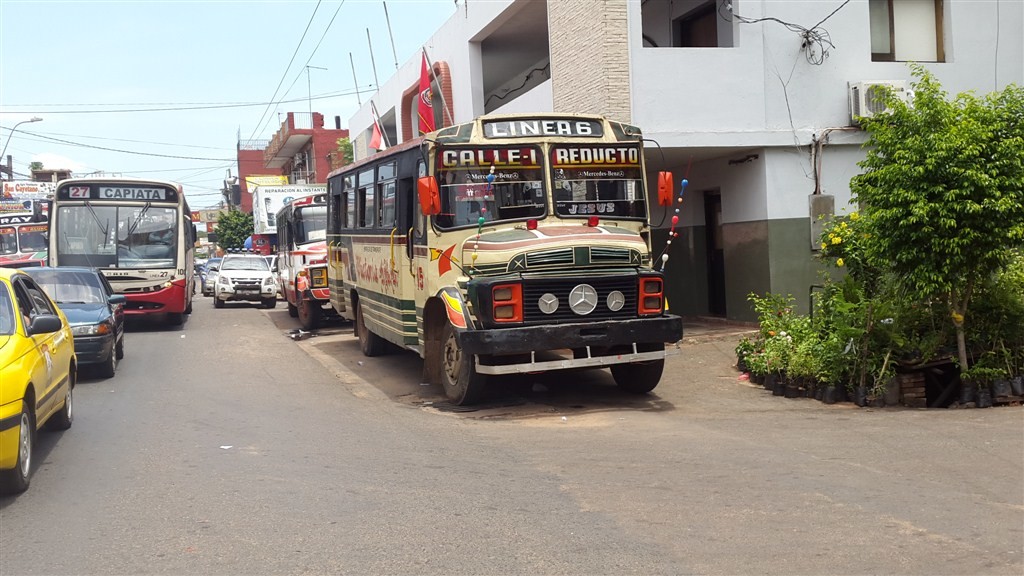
x=425, y=105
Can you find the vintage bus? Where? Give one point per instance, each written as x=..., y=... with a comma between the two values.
x=138, y=233
x=22, y=239
x=302, y=259
x=509, y=244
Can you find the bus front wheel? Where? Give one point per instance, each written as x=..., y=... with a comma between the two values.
x=462, y=383
x=640, y=377
x=309, y=313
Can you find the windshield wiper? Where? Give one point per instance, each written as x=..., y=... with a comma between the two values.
x=98, y=223
x=135, y=225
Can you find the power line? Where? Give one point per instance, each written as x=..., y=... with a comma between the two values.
x=325, y=96
x=126, y=140
x=315, y=48
x=153, y=154
x=259, y=124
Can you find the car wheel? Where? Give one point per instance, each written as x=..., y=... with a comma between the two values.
x=16, y=479
x=63, y=419
x=309, y=314
x=175, y=318
x=639, y=377
x=217, y=302
x=107, y=369
x=119, y=350
x=369, y=343
x=270, y=302
x=462, y=383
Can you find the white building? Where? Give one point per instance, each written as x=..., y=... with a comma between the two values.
x=739, y=96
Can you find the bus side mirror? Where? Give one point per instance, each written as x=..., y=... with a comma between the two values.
x=430, y=197
x=665, y=188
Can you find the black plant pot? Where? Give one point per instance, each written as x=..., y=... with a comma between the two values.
x=968, y=393
x=830, y=394
x=860, y=396
x=779, y=386
x=1001, y=388
x=984, y=397
x=1017, y=385
x=842, y=393
x=792, y=390
x=741, y=364
x=769, y=381
x=819, y=391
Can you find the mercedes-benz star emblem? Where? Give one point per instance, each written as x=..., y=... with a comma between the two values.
x=615, y=301
x=583, y=299
x=548, y=303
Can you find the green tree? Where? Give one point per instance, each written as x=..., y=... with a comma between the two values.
x=943, y=192
x=233, y=228
x=35, y=166
x=345, y=148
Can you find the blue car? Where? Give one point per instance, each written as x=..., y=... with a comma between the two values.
x=94, y=311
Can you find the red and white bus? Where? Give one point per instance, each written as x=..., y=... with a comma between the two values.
x=138, y=233
x=302, y=259
x=22, y=239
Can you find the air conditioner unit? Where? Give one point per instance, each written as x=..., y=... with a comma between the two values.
x=866, y=97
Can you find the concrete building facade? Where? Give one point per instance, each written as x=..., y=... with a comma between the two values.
x=749, y=100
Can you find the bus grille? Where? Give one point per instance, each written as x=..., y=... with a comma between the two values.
x=534, y=288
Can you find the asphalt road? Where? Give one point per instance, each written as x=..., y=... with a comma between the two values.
x=224, y=447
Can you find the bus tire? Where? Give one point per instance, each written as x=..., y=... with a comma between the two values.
x=293, y=311
x=463, y=385
x=369, y=343
x=640, y=377
x=309, y=313
x=16, y=479
x=188, y=307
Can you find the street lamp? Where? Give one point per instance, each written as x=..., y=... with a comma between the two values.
x=32, y=119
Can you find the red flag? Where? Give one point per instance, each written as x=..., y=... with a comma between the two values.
x=425, y=106
x=375, y=138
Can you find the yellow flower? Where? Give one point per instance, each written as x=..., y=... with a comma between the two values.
x=836, y=240
x=957, y=318
x=839, y=262
x=824, y=246
x=854, y=216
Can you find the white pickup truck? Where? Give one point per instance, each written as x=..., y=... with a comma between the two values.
x=247, y=278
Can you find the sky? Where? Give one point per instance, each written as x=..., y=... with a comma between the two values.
x=165, y=89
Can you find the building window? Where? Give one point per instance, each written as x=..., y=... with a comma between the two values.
x=688, y=23
x=697, y=28
x=906, y=30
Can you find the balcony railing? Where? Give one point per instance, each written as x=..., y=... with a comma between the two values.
x=294, y=121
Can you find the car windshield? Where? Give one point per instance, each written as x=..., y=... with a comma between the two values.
x=70, y=286
x=256, y=263
x=6, y=312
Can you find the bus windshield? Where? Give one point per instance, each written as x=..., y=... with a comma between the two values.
x=598, y=181
x=32, y=237
x=117, y=236
x=8, y=240
x=310, y=224
x=468, y=191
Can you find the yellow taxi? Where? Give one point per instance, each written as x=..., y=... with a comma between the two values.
x=38, y=369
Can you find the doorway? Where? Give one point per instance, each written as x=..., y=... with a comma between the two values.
x=715, y=252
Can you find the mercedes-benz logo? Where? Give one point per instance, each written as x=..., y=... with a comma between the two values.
x=615, y=301
x=548, y=303
x=583, y=299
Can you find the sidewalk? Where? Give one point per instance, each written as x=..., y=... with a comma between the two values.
x=701, y=329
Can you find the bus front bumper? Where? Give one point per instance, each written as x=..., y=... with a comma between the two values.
x=598, y=343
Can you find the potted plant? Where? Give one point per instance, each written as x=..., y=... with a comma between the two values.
x=744, y=349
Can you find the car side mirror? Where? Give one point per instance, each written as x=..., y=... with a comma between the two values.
x=44, y=324
x=429, y=195
x=117, y=299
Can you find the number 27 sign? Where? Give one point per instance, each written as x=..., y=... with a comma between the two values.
x=78, y=192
